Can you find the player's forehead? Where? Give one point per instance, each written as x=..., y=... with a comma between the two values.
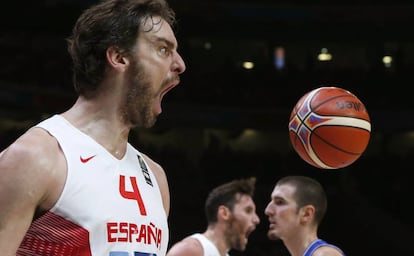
x=245, y=201
x=285, y=191
x=157, y=29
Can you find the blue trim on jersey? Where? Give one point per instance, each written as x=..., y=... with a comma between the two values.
x=318, y=243
x=118, y=253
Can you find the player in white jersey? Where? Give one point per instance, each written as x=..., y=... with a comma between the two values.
x=73, y=185
x=296, y=208
x=231, y=217
x=208, y=246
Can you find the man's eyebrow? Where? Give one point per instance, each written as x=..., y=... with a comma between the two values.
x=164, y=40
x=276, y=197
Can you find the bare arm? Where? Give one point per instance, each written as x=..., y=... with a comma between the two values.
x=25, y=184
x=162, y=182
x=186, y=247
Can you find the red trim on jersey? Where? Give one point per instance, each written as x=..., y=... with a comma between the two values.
x=54, y=235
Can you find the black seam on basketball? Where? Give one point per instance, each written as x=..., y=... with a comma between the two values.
x=323, y=102
x=330, y=144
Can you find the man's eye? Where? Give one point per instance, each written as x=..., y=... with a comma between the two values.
x=278, y=202
x=165, y=51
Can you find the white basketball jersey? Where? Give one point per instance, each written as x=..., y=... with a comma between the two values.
x=108, y=207
x=209, y=248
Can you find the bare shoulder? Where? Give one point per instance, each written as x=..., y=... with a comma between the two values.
x=162, y=181
x=31, y=163
x=327, y=251
x=186, y=247
x=31, y=177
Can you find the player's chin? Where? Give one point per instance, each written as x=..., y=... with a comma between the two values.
x=272, y=235
x=243, y=244
x=149, y=119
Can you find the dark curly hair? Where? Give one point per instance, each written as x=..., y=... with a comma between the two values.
x=110, y=23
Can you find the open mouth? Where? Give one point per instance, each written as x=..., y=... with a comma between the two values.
x=170, y=86
x=249, y=231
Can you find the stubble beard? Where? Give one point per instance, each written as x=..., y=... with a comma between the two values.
x=137, y=107
x=233, y=236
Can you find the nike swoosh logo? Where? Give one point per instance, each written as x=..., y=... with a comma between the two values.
x=85, y=160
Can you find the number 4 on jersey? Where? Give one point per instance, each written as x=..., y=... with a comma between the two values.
x=132, y=195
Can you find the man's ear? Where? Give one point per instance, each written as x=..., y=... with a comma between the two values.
x=223, y=212
x=116, y=59
x=307, y=213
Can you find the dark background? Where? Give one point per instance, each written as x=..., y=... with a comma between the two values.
x=224, y=122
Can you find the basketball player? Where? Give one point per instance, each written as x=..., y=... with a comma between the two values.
x=73, y=185
x=297, y=207
x=231, y=217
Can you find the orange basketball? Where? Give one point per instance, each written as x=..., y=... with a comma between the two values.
x=329, y=128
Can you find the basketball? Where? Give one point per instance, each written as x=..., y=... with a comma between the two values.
x=329, y=128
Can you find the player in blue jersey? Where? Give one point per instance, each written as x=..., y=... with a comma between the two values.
x=297, y=207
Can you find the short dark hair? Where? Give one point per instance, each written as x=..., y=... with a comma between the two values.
x=228, y=195
x=110, y=23
x=308, y=191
